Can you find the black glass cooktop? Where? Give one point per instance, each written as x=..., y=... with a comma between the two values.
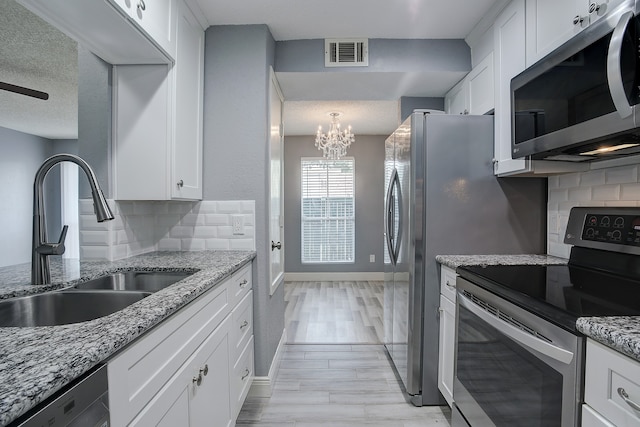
x=572, y=291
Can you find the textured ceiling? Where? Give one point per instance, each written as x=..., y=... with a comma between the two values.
x=33, y=54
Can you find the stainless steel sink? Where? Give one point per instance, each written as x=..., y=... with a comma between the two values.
x=63, y=307
x=148, y=281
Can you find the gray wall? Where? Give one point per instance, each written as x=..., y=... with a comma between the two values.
x=410, y=103
x=368, y=152
x=21, y=155
x=236, y=153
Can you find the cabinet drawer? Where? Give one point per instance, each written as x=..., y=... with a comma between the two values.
x=591, y=418
x=241, y=378
x=240, y=284
x=138, y=372
x=448, y=282
x=242, y=325
x=609, y=375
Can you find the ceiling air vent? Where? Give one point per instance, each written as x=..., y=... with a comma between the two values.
x=346, y=52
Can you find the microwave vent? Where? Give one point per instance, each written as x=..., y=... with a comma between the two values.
x=346, y=52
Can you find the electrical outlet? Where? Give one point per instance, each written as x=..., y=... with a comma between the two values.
x=237, y=224
x=372, y=258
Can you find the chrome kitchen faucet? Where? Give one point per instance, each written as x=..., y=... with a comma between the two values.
x=41, y=249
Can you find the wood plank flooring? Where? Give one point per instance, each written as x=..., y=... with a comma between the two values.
x=349, y=312
x=340, y=386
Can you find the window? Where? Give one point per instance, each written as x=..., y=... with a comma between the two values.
x=328, y=211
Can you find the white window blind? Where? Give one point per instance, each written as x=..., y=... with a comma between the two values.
x=328, y=210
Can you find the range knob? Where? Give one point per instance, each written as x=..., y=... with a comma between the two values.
x=590, y=232
x=616, y=236
x=605, y=221
x=619, y=222
x=592, y=221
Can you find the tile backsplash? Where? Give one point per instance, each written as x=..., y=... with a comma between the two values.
x=147, y=226
x=615, y=186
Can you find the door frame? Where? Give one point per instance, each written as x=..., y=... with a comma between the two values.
x=274, y=282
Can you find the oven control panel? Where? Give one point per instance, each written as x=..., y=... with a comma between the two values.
x=607, y=228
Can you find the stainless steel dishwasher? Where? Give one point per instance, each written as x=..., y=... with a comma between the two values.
x=84, y=403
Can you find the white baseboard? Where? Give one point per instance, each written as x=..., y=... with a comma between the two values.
x=263, y=386
x=325, y=277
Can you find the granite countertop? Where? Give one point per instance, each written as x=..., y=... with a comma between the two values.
x=455, y=261
x=37, y=361
x=622, y=333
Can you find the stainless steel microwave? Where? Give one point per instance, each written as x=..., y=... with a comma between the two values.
x=581, y=102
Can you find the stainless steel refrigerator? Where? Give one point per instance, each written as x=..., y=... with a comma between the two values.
x=441, y=197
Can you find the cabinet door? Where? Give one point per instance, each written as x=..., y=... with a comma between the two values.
x=210, y=402
x=188, y=74
x=156, y=18
x=457, y=99
x=550, y=24
x=509, y=42
x=446, y=348
x=481, y=93
x=184, y=402
x=141, y=129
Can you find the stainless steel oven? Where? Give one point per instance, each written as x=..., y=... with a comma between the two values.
x=512, y=367
x=519, y=359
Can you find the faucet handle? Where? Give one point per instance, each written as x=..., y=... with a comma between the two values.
x=54, y=248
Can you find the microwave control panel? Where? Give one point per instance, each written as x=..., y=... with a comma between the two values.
x=618, y=229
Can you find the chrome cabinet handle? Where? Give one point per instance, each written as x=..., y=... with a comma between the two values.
x=246, y=373
x=597, y=8
x=275, y=245
x=623, y=394
x=244, y=325
x=180, y=183
x=197, y=380
x=449, y=285
x=578, y=20
x=614, y=73
x=141, y=5
x=205, y=370
x=243, y=283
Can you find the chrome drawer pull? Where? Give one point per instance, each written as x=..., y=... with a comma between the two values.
x=623, y=394
x=246, y=374
x=244, y=325
x=243, y=283
x=205, y=370
x=197, y=380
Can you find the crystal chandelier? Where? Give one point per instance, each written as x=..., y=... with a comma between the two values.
x=334, y=143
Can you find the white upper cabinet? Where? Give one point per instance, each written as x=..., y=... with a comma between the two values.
x=188, y=93
x=157, y=18
x=158, y=126
x=481, y=91
x=112, y=32
x=474, y=93
x=456, y=101
x=550, y=23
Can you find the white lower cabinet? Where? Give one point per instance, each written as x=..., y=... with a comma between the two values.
x=612, y=388
x=188, y=370
x=446, y=348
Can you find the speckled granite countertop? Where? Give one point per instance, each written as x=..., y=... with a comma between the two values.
x=35, y=362
x=455, y=261
x=620, y=333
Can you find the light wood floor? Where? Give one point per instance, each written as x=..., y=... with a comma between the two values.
x=339, y=386
x=347, y=312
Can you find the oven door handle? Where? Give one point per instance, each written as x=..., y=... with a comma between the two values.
x=524, y=338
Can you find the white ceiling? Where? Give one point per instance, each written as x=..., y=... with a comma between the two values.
x=35, y=55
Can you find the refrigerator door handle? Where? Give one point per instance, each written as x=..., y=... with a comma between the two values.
x=390, y=217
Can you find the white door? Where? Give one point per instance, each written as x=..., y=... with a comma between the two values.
x=276, y=222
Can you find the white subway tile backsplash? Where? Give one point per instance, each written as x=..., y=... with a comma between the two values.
x=622, y=174
x=580, y=194
x=630, y=191
x=606, y=192
x=145, y=226
x=569, y=180
x=591, y=178
x=616, y=186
